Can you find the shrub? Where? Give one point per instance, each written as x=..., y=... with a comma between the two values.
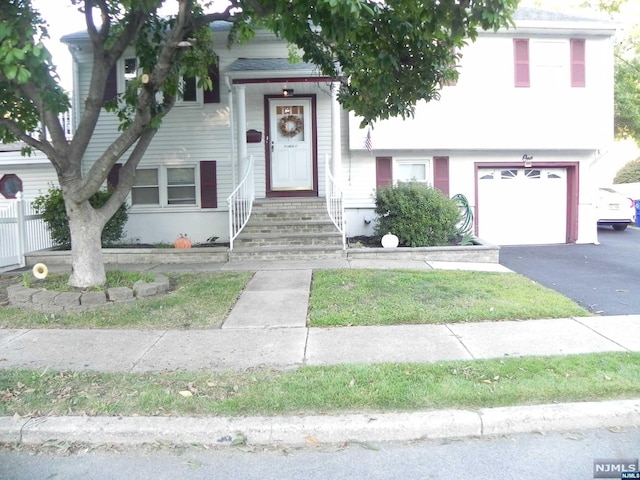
x=419, y=215
x=51, y=207
x=629, y=173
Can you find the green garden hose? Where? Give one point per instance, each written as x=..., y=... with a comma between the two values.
x=466, y=215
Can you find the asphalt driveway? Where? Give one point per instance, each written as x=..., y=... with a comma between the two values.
x=603, y=278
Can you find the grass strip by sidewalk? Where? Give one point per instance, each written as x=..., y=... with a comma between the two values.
x=197, y=301
x=392, y=297
x=317, y=390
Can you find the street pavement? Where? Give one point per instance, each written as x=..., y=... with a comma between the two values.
x=267, y=329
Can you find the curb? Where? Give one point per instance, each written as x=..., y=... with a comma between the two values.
x=313, y=429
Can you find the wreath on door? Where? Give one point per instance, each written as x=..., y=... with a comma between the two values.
x=290, y=125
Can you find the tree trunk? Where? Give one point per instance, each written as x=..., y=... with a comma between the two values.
x=87, y=268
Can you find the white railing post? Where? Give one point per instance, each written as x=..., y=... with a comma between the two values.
x=241, y=203
x=335, y=201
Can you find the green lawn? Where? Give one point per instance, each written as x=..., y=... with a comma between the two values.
x=391, y=297
x=197, y=301
x=397, y=387
x=338, y=298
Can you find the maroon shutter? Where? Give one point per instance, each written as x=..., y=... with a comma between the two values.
x=213, y=96
x=384, y=172
x=208, y=185
x=111, y=87
x=113, y=177
x=441, y=174
x=578, y=75
x=521, y=62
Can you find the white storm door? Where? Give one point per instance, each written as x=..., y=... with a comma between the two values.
x=291, y=144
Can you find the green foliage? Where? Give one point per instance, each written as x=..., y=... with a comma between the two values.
x=51, y=206
x=393, y=54
x=627, y=99
x=24, y=60
x=420, y=216
x=193, y=61
x=629, y=173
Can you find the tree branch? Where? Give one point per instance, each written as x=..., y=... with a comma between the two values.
x=127, y=174
x=44, y=146
x=103, y=62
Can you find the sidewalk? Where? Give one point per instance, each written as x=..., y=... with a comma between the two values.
x=267, y=328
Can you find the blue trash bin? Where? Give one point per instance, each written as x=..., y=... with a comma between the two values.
x=637, y=202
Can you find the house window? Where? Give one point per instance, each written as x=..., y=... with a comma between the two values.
x=181, y=186
x=578, y=70
x=127, y=72
x=412, y=172
x=189, y=89
x=146, y=187
x=189, y=92
x=521, y=62
x=548, y=62
x=128, y=69
x=164, y=186
x=10, y=185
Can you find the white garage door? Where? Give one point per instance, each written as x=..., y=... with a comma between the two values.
x=522, y=206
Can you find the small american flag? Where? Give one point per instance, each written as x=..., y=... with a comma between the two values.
x=367, y=140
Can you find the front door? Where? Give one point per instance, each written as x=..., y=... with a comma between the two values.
x=290, y=148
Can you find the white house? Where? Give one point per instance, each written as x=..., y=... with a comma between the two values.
x=517, y=135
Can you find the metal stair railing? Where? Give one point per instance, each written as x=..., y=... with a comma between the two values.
x=241, y=203
x=335, y=201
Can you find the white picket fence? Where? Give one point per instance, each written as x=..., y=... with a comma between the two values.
x=22, y=231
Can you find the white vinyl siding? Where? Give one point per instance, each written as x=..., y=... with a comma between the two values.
x=486, y=112
x=36, y=178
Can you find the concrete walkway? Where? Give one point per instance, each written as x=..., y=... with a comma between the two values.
x=267, y=328
x=242, y=347
x=273, y=299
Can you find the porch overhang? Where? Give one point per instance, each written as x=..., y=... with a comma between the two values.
x=274, y=70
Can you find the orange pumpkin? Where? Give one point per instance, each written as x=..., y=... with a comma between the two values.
x=182, y=242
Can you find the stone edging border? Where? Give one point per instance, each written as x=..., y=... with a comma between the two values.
x=481, y=252
x=41, y=300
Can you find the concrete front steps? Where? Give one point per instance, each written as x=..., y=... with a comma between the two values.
x=288, y=228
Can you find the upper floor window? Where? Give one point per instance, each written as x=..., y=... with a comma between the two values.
x=189, y=92
x=544, y=62
x=548, y=63
x=128, y=69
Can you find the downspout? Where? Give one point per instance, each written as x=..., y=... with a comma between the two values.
x=234, y=161
x=75, y=89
